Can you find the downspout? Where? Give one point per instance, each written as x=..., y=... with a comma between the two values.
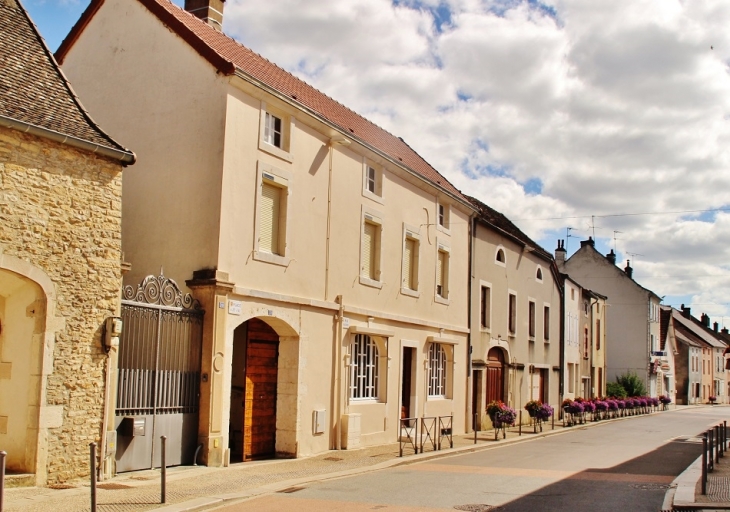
x=338, y=373
x=105, y=417
x=340, y=141
x=561, y=386
x=592, y=341
x=123, y=156
x=469, y=382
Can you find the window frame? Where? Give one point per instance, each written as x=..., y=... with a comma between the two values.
x=512, y=312
x=370, y=354
x=268, y=174
x=377, y=194
x=598, y=334
x=504, y=255
x=375, y=218
x=539, y=274
x=485, y=310
x=443, y=217
x=437, y=373
x=531, y=318
x=411, y=233
x=287, y=132
x=546, y=322
x=442, y=298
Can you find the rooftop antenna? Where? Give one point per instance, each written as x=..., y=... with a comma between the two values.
x=568, y=236
x=615, y=238
x=633, y=255
x=593, y=226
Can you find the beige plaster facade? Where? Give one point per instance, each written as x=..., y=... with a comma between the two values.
x=60, y=278
x=511, y=277
x=194, y=204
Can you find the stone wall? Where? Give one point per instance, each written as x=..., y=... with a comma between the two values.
x=60, y=211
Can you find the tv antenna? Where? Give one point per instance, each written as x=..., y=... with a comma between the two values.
x=615, y=231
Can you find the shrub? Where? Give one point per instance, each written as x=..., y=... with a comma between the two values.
x=615, y=390
x=632, y=384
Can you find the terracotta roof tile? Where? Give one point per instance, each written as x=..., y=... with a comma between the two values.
x=229, y=55
x=32, y=88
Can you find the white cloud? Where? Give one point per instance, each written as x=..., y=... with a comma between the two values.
x=608, y=107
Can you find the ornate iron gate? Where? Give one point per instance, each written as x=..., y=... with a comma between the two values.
x=159, y=375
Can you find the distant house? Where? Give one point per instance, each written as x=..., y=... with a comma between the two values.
x=690, y=359
x=60, y=261
x=330, y=259
x=633, y=327
x=516, y=302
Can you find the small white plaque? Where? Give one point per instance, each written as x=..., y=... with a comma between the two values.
x=345, y=322
x=221, y=305
x=235, y=307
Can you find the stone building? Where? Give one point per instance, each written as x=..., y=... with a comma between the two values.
x=330, y=259
x=60, y=260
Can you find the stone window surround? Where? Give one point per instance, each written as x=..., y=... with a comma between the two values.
x=411, y=232
x=287, y=135
x=282, y=179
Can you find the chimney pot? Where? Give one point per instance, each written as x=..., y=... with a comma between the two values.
x=629, y=271
x=705, y=319
x=611, y=256
x=715, y=326
x=210, y=11
x=686, y=312
x=590, y=242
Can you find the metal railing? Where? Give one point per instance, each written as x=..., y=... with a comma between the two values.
x=714, y=445
x=433, y=431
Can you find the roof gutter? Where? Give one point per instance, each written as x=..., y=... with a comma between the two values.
x=248, y=78
x=125, y=157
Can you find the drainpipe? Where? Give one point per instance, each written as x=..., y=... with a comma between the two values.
x=338, y=373
x=561, y=385
x=339, y=141
x=469, y=377
x=105, y=417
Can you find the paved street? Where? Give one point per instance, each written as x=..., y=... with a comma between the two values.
x=622, y=465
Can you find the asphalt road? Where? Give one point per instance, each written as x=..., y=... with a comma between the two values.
x=622, y=465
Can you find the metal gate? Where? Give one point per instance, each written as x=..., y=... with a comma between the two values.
x=159, y=375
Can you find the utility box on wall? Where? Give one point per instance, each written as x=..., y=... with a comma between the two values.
x=318, y=421
x=351, y=431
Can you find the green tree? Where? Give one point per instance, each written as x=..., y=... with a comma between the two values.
x=615, y=390
x=632, y=384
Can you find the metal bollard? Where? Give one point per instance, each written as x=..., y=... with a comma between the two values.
x=724, y=435
x=520, y=422
x=704, y=463
x=716, y=434
x=475, y=429
x=92, y=471
x=2, y=478
x=163, y=470
x=553, y=419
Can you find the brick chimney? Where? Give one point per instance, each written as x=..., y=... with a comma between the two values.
x=560, y=254
x=724, y=331
x=629, y=271
x=686, y=312
x=590, y=242
x=210, y=11
x=705, y=319
x=611, y=257
x=715, y=327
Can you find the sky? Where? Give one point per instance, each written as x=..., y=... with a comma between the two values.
x=573, y=118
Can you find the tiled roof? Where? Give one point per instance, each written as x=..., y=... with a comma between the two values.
x=229, y=56
x=695, y=326
x=32, y=88
x=491, y=216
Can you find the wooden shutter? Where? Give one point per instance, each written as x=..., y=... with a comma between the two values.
x=269, y=218
x=368, y=251
x=440, y=274
x=408, y=253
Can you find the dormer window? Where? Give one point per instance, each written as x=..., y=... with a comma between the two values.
x=272, y=130
x=443, y=217
x=372, y=181
x=275, y=132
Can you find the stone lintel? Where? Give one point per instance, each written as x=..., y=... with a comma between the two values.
x=210, y=277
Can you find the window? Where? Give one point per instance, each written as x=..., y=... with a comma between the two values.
x=499, y=257
x=651, y=339
x=370, y=257
x=512, y=310
x=275, y=132
x=531, y=319
x=443, y=216
x=272, y=130
x=436, y=370
x=411, y=250
x=372, y=185
x=538, y=274
x=486, y=306
x=572, y=294
x=586, y=307
x=364, y=368
x=598, y=335
x=442, y=273
x=270, y=242
x=571, y=378
x=586, y=343
x=546, y=322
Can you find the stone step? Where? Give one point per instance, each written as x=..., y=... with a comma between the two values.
x=19, y=480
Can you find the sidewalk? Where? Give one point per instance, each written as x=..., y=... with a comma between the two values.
x=196, y=487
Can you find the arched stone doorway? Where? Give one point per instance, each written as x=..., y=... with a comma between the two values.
x=263, y=405
x=22, y=326
x=495, y=375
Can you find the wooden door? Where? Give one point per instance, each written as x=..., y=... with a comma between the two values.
x=259, y=411
x=495, y=375
x=406, y=385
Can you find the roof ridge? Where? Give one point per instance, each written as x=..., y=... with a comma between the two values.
x=67, y=85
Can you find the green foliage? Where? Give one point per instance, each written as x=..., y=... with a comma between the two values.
x=615, y=390
x=632, y=384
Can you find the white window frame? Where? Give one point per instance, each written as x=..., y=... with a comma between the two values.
x=539, y=274
x=546, y=322
x=439, y=370
x=376, y=194
x=365, y=378
x=443, y=217
x=282, y=179
x=531, y=318
x=504, y=254
x=511, y=315
x=488, y=286
x=287, y=132
x=442, y=298
x=370, y=216
x=411, y=233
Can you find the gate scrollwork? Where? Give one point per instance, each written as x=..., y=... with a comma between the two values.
x=161, y=291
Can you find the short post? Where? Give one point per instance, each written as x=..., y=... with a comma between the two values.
x=724, y=436
x=716, y=434
x=711, y=460
x=92, y=471
x=704, y=463
x=163, y=470
x=553, y=419
x=475, y=428
x=520, y=422
x=3, y=454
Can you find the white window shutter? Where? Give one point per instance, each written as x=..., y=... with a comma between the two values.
x=408, y=263
x=368, y=251
x=269, y=218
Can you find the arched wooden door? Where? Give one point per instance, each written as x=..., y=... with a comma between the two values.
x=495, y=375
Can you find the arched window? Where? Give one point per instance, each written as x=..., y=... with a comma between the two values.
x=436, y=370
x=538, y=274
x=500, y=256
x=364, y=368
